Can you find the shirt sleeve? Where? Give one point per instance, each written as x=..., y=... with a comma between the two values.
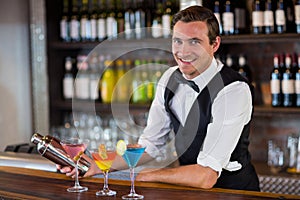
x=156, y=132
x=231, y=110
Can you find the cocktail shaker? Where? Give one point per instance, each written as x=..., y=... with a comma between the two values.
x=50, y=148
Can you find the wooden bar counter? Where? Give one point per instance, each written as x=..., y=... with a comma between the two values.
x=23, y=183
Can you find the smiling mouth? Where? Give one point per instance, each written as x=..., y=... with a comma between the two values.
x=186, y=61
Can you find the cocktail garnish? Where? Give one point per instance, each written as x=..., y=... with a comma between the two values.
x=121, y=147
x=102, y=151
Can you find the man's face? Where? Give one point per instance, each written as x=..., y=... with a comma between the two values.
x=191, y=48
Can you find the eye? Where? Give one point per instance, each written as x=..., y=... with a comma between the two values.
x=195, y=41
x=177, y=41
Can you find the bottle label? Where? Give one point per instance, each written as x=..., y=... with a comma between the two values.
x=268, y=18
x=297, y=14
x=101, y=28
x=64, y=29
x=82, y=87
x=74, y=29
x=280, y=18
x=94, y=89
x=297, y=86
x=275, y=86
x=166, y=24
x=110, y=26
x=68, y=87
x=288, y=86
x=257, y=18
x=156, y=30
x=228, y=21
x=93, y=29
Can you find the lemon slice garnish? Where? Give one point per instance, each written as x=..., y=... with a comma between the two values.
x=121, y=147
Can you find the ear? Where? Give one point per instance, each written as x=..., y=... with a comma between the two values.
x=216, y=43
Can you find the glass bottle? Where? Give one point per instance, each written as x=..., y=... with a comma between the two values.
x=166, y=18
x=75, y=22
x=297, y=15
x=121, y=84
x=287, y=83
x=65, y=22
x=68, y=80
x=240, y=20
x=228, y=19
x=257, y=18
x=82, y=79
x=85, y=23
x=140, y=20
x=93, y=20
x=139, y=94
x=101, y=23
x=129, y=20
x=107, y=81
x=111, y=22
x=120, y=18
x=244, y=69
x=280, y=17
x=269, y=18
x=218, y=15
x=275, y=83
x=157, y=21
x=297, y=82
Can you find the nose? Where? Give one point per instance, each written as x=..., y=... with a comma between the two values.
x=182, y=49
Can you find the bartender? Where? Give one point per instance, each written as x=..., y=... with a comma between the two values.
x=209, y=108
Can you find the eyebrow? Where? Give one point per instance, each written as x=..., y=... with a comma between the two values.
x=190, y=39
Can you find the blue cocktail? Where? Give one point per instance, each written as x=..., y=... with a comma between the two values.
x=132, y=155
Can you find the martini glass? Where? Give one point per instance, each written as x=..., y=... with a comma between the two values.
x=75, y=148
x=104, y=157
x=131, y=156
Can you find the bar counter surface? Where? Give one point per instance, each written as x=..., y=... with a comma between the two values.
x=23, y=183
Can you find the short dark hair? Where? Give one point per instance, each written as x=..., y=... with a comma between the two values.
x=199, y=13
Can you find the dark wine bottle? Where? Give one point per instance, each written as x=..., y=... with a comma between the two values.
x=228, y=19
x=65, y=22
x=297, y=15
x=287, y=84
x=297, y=82
x=275, y=83
x=280, y=18
x=269, y=18
x=257, y=18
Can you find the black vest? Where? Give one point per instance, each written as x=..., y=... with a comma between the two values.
x=190, y=136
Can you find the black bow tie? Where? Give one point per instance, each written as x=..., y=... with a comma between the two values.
x=180, y=79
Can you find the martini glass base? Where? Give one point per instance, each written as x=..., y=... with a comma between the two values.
x=132, y=196
x=106, y=193
x=77, y=189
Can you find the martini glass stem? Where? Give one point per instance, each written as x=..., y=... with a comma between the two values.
x=76, y=174
x=105, y=186
x=132, y=191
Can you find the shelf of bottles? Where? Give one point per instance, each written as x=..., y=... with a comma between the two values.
x=84, y=24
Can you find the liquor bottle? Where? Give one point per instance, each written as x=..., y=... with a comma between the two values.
x=140, y=20
x=157, y=21
x=229, y=62
x=120, y=18
x=297, y=15
x=85, y=23
x=129, y=20
x=68, y=80
x=290, y=16
x=244, y=69
x=257, y=18
x=297, y=82
x=94, y=19
x=82, y=78
x=228, y=19
x=240, y=13
x=139, y=94
x=111, y=22
x=275, y=83
x=64, y=22
x=93, y=73
x=121, y=90
x=50, y=148
x=101, y=23
x=166, y=18
x=280, y=18
x=287, y=83
x=218, y=15
x=269, y=18
x=107, y=82
x=75, y=22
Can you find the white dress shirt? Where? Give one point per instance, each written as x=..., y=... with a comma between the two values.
x=231, y=110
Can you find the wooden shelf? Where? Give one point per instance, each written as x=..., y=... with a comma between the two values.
x=269, y=111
